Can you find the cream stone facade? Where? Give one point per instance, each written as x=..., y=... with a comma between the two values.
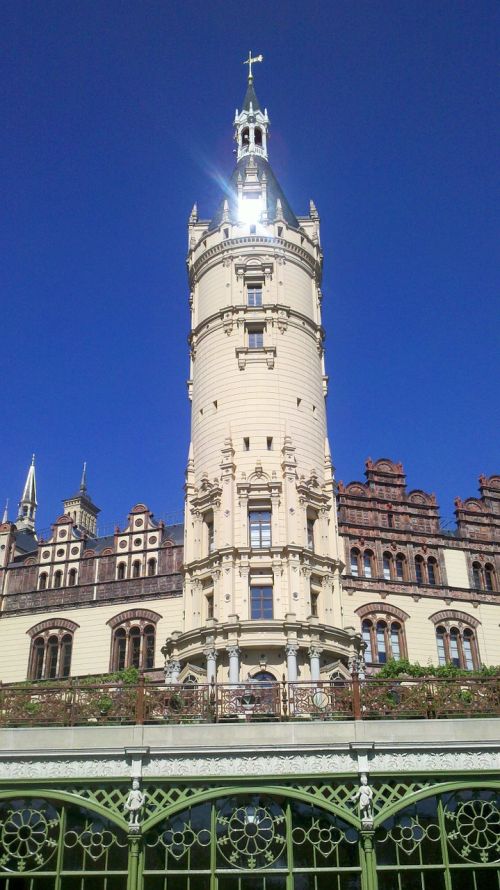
x=276, y=572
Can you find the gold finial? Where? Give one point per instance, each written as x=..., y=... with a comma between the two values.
x=251, y=59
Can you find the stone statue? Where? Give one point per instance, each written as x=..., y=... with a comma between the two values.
x=364, y=796
x=134, y=804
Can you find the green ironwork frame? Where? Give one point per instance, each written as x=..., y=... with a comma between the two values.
x=392, y=794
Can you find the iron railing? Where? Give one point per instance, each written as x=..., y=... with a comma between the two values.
x=83, y=703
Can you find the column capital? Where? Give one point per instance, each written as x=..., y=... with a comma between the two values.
x=291, y=649
x=233, y=651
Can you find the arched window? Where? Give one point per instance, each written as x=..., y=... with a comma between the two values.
x=432, y=571
x=401, y=574
x=42, y=581
x=133, y=640
x=477, y=575
x=258, y=136
x=120, y=573
x=136, y=569
x=151, y=567
x=387, y=566
x=58, y=579
x=72, y=578
x=355, y=572
x=383, y=634
x=489, y=577
x=245, y=136
x=51, y=650
x=457, y=645
x=420, y=569
x=368, y=564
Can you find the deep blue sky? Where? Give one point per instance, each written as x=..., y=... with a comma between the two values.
x=116, y=116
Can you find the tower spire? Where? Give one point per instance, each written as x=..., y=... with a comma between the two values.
x=83, y=481
x=28, y=502
x=5, y=517
x=252, y=124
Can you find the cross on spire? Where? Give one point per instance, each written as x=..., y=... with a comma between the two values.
x=251, y=59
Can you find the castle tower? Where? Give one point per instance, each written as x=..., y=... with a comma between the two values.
x=262, y=590
x=28, y=503
x=81, y=508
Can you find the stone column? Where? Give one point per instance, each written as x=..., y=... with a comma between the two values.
x=291, y=650
x=234, y=664
x=211, y=656
x=172, y=671
x=314, y=654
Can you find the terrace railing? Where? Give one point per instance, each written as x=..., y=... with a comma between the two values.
x=83, y=703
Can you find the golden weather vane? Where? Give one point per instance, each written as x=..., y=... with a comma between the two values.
x=251, y=59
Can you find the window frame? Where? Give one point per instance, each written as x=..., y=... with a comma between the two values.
x=261, y=527
x=51, y=652
x=260, y=595
x=254, y=290
x=450, y=635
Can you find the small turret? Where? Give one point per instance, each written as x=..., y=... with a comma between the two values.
x=81, y=508
x=28, y=503
x=252, y=124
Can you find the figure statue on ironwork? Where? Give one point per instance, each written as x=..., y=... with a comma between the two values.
x=134, y=804
x=364, y=796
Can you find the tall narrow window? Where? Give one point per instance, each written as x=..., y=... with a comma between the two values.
x=151, y=566
x=149, y=647
x=136, y=569
x=387, y=566
x=261, y=602
x=209, y=533
x=66, y=648
x=58, y=579
x=419, y=569
x=489, y=577
x=72, y=577
x=400, y=567
x=366, y=630
x=135, y=647
x=432, y=570
x=395, y=636
x=52, y=656
x=42, y=582
x=467, y=641
x=454, y=651
x=314, y=603
x=381, y=642
x=311, y=522
x=120, y=649
x=37, y=659
x=440, y=639
x=260, y=528
x=368, y=564
x=355, y=562
x=477, y=575
x=254, y=295
x=209, y=600
x=120, y=574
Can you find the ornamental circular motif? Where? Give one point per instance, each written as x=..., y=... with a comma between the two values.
x=60, y=551
x=28, y=839
x=251, y=836
x=137, y=542
x=94, y=840
x=153, y=540
x=74, y=551
x=477, y=830
x=46, y=554
x=63, y=533
x=138, y=523
x=123, y=544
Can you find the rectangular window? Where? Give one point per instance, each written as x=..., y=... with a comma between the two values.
x=310, y=534
x=254, y=295
x=210, y=536
x=314, y=603
x=246, y=444
x=261, y=602
x=256, y=338
x=269, y=441
x=210, y=605
x=259, y=522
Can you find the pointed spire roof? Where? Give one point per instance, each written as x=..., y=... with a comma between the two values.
x=83, y=482
x=29, y=491
x=251, y=97
x=6, y=512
